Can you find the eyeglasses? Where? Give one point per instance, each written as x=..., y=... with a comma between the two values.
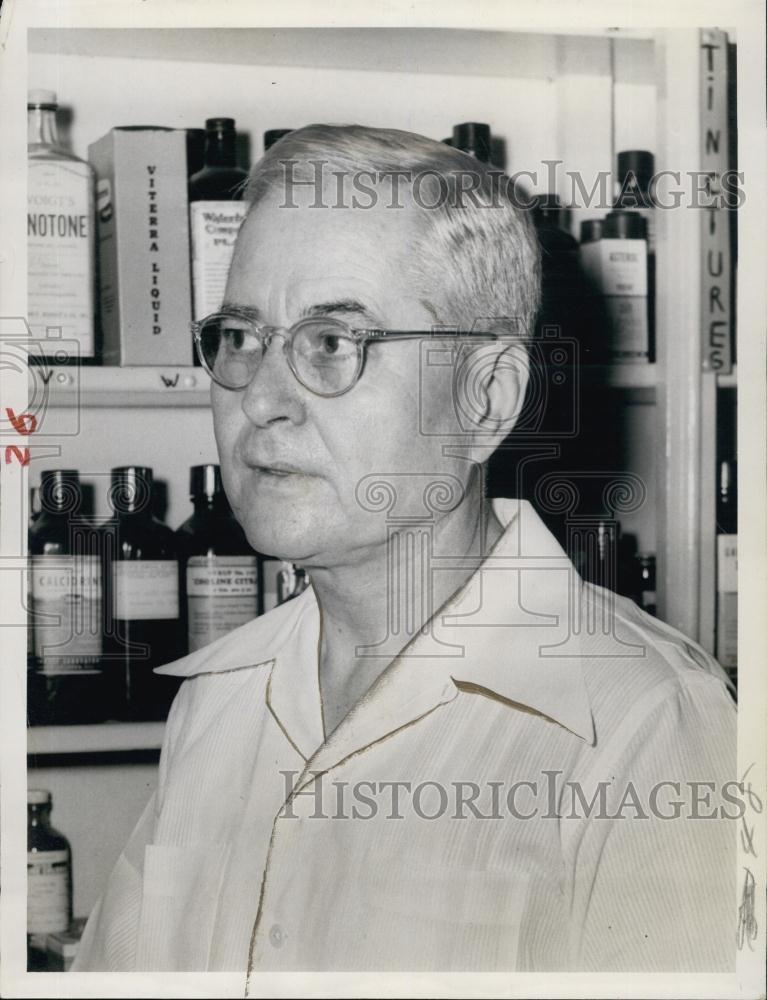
x=325, y=355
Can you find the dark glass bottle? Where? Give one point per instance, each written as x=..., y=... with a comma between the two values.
x=636, y=168
x=648, y=597
x=219, y=570
x=273, y=135
x=49, y=878
x=473, y=138
x=560, y=277
x=727, y=498
x=220, y=179
x=216, y=211
x=66, y=683
x=142, y=629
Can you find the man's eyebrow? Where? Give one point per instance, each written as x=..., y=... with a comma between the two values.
x=343, y=306
x=251, y=311
x=350, y=307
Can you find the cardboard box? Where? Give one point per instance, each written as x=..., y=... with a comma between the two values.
x=143, y=246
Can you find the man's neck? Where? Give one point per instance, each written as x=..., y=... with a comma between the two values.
x=370, y=611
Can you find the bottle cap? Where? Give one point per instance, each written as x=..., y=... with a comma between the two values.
x=131, y=488
x=42, y=99
x=205, y=481
x=38, y=797
x=60, y=490
x=638, y=162
x=621, y=224
x=273, y=135
x=448, y=141
x=473, y=138
x=591, y=230
x=219, y=124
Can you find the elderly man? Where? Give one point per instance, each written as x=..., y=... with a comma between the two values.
x=448, y=753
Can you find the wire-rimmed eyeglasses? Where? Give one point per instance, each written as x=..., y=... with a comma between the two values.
x=325, y=354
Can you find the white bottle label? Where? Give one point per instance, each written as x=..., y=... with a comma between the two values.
x=145, y=589
x=60, y=253
x=213, y=227
x=66, y=601
x=47, y=891
x=222, y=594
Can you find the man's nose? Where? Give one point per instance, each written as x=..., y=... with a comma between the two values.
x=273, y=394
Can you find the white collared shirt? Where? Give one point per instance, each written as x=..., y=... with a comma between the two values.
x=495, y=801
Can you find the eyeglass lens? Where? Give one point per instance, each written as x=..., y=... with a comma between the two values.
x=322, y=352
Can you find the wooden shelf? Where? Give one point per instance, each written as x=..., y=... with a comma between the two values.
x=122, y=387
x=104, y=738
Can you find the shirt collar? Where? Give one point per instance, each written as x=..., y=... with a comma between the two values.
x=507, y=633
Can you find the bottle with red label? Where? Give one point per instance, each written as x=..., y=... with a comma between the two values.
x=49, y=878
x=66, y=683
x=219, y=570
x=142, y=622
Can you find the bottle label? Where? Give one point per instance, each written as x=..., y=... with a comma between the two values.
x=222, y=594
x=67, y=601
x=47, y=891
x=213, y=226
x=60, y=253
x=627, y=328
x=145, y=589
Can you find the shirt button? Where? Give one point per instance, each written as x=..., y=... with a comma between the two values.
x=276, y=936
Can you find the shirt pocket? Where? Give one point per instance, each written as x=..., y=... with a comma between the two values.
x=438, y=918
x=181, y=895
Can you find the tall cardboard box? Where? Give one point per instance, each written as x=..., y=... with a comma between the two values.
x=143, y=246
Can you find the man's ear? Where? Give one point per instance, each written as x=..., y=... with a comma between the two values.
x=505, y=386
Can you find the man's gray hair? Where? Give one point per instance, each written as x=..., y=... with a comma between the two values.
x=477, y=253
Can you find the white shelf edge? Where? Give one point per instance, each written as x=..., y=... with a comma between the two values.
x=99, y=738
x=118, y=388
x=107, y=386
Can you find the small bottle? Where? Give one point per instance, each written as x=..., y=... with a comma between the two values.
x=473, y=138
x=623, y=277
x=60, y=240
x=727, y=498
x=49, y=878
x=66, y=679
x=273, y=135
x=216, y=211
x=219, y=570
x=648, y=599
x=727, y=567
x=142, y=629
